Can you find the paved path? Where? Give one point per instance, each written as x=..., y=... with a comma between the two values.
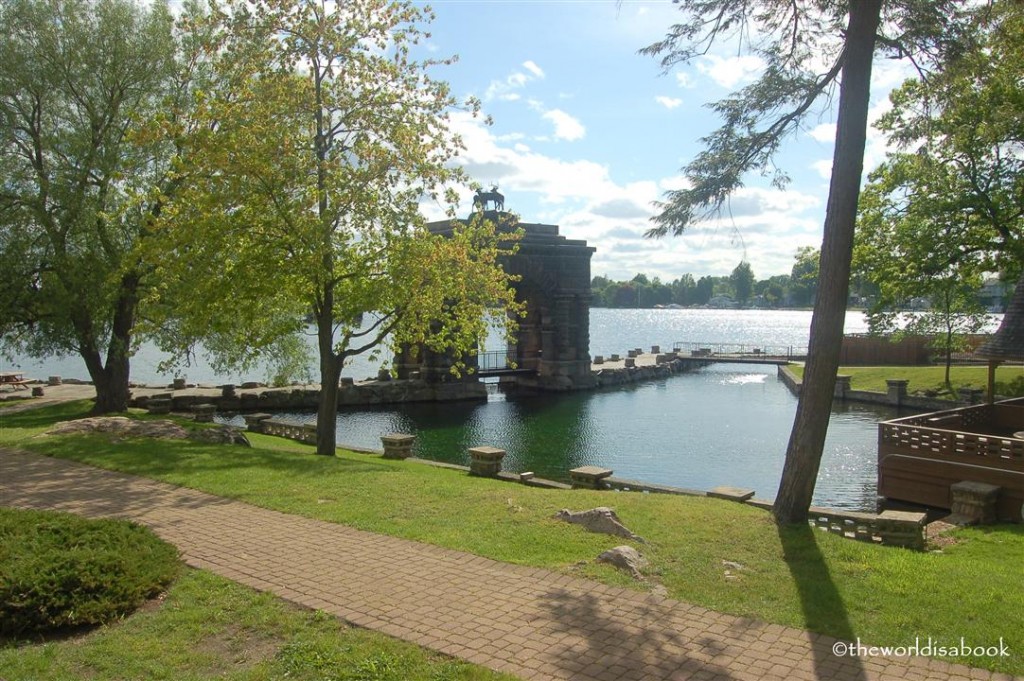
x=530, y=622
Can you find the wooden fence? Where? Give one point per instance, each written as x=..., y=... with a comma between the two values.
x=920, y=457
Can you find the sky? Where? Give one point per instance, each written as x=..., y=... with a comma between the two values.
x=587, y=134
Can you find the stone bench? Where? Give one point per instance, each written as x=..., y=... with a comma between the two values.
x=589, y=477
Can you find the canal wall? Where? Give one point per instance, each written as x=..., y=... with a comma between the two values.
x=634, y=367
x=896, y=396
x=258, y=398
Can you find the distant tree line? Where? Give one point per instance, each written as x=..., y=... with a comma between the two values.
x=794, y=290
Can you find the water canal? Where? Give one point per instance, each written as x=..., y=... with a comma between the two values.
x=725, y=424
x=722, y=425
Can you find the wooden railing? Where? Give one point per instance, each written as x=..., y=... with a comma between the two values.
x=919, y=457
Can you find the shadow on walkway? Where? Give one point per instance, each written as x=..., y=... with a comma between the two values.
x=651, y=648
x=822, y=604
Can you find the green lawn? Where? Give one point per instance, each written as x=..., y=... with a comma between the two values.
x=207, y=627
x=930, y=380
x=795, y=576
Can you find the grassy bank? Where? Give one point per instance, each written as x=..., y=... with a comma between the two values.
x=793, y=576
x=930, y=380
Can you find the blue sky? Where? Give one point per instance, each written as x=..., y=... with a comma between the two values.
x=587, y=133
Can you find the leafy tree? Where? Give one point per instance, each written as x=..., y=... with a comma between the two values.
x=304, y=191
x=683, y=290
x=948, y=207
x=793, y=40
x=742, y=280
x=803, y=278
x=958, y=180
x=624, y=294
x=77, y=80
x=705, y=290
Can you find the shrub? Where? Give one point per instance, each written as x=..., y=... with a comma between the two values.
x=58, y=570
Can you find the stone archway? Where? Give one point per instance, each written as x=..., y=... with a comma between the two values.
x=553, y=342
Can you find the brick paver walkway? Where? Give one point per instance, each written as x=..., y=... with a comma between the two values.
x=530, y=622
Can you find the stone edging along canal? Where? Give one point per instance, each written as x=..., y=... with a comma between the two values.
x=253, y=397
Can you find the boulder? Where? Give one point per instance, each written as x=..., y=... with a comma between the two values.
x=602, y=520
x=625, y=558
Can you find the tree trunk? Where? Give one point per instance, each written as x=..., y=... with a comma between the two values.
x=807, y=440
x=330, y=372
x=111, y=378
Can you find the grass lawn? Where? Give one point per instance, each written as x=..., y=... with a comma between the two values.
x=207, y=627
x=794, y=576
x=930, y=380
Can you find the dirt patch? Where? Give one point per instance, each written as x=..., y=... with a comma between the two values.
x=121, y=426
x=236, y=648
x=938, y=534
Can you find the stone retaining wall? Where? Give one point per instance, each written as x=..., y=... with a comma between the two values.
x=303, y=432
x=637, y=374
x=892, y=528
x=306, y=399
x=893, y=398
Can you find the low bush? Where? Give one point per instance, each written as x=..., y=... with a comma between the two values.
x=59, y=571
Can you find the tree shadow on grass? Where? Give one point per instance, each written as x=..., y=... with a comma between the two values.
x=38, y=481
x=157, y=457
x=822, y=604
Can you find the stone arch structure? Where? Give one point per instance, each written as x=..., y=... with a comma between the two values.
x=553, y=342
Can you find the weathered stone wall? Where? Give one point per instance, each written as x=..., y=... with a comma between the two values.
x=893, y=398
x=306, y=399
x=605, y=378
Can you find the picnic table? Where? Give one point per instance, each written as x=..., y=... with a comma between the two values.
x=13, y=379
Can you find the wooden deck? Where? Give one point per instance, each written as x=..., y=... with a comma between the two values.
x=920, y=457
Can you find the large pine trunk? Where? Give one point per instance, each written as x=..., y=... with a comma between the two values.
x=807, y=440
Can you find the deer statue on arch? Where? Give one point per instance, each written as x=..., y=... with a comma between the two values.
x=482, y=199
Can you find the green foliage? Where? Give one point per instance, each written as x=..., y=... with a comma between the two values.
x=802, y=50
x=803, y=278
x=742, y=280
x=955, y=185
x=301, y=196
x=77, y=80
x=59, y=571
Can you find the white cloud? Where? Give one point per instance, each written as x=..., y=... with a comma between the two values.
x=584, y=200
x=532, y=67
x=505, y=89
x=566, y=126
x=875, y=150
x=668, y=102
x=685, y=80
x=731, y=71
x=824, y=132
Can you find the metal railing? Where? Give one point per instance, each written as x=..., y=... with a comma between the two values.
x=740, y=350
x=496, y=360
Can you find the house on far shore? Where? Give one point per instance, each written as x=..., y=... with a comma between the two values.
x=723, y=303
